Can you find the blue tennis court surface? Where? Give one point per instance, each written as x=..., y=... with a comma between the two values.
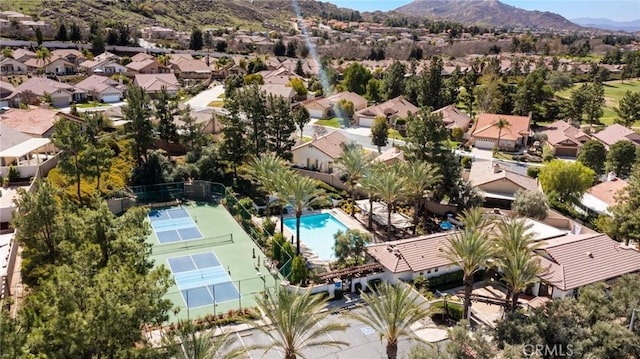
x=201, y=278
x=173, y=225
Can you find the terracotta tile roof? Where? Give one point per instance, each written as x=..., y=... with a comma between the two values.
x=18, y=53
x=486, y=126
x=392, y=154
x=398, y=107
x=358, y=101
x=278, y=90
x=481, y=175
x=139, y=65
x=615, y=133
x=5, y=89
x=574, y=261
x=140, y=57
x=607, y=191
x=35, y=121
x=414, y=254
x=97, y=83
x=560, y=131
x=155, y=82
x=191, y=65
x=329, y=144
x=453, y=117
x=40, y=85
x=11, y=137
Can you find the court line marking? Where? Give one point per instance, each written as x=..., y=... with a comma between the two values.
x=246, y=349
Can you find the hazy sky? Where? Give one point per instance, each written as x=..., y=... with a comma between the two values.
x=619, y=10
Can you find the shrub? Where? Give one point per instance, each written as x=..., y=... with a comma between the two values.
x=453, y=310
x=298, y=270
x=533, y=171
x=269, y=226
x=466, y=161
x=456, y=134
x=13, y=174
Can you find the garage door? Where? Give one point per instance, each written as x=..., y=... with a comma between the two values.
x=484, y=144
x=566, y=152
x=365, y=122
x=60, y=102
x=111, y=98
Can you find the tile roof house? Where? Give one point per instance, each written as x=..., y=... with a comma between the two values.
x=9, y=66
x=6, y=89
x=516, y=134
x=102, y=88
x=58, y=66
x=71, y=55
x=147, y=66
x=574, y=261
x=279, y=90
x=281, y=76
x=392, y=110
x=390, y=156
x=23, y=55
x=407, y=259
x=454, y=117
x=36, y=122
x=186, y=68
x=565, y=139
x=602, y=196
x=153, y=83
x=141, y=56
x=616, y=132
x=499, y=186
x=321, y=153
x=104, y=66
x=61, y=94
x=323, y=107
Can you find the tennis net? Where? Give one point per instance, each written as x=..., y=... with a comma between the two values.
x=192, y=244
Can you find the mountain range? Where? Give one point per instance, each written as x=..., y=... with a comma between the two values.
x=487, y=12
x=607, y=24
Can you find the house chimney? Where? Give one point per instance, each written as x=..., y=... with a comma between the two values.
x=496, y=168
x=314, y=137
x=611, y=176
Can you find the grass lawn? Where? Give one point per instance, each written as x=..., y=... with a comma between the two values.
x=502, y=156
x=332, y=122
x=395, y=135
x=613, y=92
x=92, y=104
x=222, y=96
x=216, y=103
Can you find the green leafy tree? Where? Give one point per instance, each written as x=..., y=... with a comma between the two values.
x=298, y=85
x=61, y=35
x=380, y=132
x=390, y=311
x=491, y=98
x=351, y=244
x=253, y=103
x=621, y=158
x=166, y=108
x=298, y=323
x=462, y=342
x=39, y=37
x=97, y=43
x=532, y=91
x=593, y=100
x=628, y=109
x=193, y=135
x=374, y=90
x=470, y=249
x=279, y=48
x=98, y=154
x=530, y=204
x=280, y=127
x=75, y=33
x=569, y=180
x=344, y=109
x=593, y=154
x=626, y=217
x=299, y=271
x=7, y=52
x=420, y=178
x=139, y=127
x=235, y=146
x=291, y=49
x=354, y=165
x=196, y=42
x=394, y=79
x=303, y=192
x=559, y=80
x=301, y=117
x=356, y=78
x=390, y=187
x=69, y=137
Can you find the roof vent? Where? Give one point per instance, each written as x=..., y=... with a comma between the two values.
x=589, y=254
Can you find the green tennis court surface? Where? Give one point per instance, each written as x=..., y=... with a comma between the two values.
x=218, y=267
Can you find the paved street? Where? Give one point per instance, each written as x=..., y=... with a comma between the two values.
x=201, y=100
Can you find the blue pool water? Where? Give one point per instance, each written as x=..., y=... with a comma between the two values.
x=316, y=232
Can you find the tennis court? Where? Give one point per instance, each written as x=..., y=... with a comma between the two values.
x=173, y=225
x=202, y=280
x=215, y=264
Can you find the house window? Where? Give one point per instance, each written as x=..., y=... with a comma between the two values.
x=435, y=270
x=330, y=166
x=428, y=271
x=316, y=164
x=308, y=162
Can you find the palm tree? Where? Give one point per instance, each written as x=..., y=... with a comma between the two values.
x=353, y=163
x=297, y=322
x=500, y=124
x=389, y=186
x=391, y=310
x=189, y=344
x=272, y=173
x=516, y=258
x=43, y=55
x=164, y=59
x=368, y=186
x=302, y=192
x=419, y=178
x=470, y=249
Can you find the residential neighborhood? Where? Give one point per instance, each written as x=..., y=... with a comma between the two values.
x=168, y=188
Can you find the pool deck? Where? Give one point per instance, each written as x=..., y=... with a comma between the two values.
x=338, y=214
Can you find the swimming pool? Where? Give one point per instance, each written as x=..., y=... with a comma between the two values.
x=316, y=232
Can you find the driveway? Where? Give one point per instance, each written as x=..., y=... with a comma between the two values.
x=201, y=100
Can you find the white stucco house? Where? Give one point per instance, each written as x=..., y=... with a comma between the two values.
x=321, y=153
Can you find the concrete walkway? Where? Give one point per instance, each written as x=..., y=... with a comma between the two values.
x=202, y=100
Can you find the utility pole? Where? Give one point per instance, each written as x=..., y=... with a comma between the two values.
x=633, y=318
